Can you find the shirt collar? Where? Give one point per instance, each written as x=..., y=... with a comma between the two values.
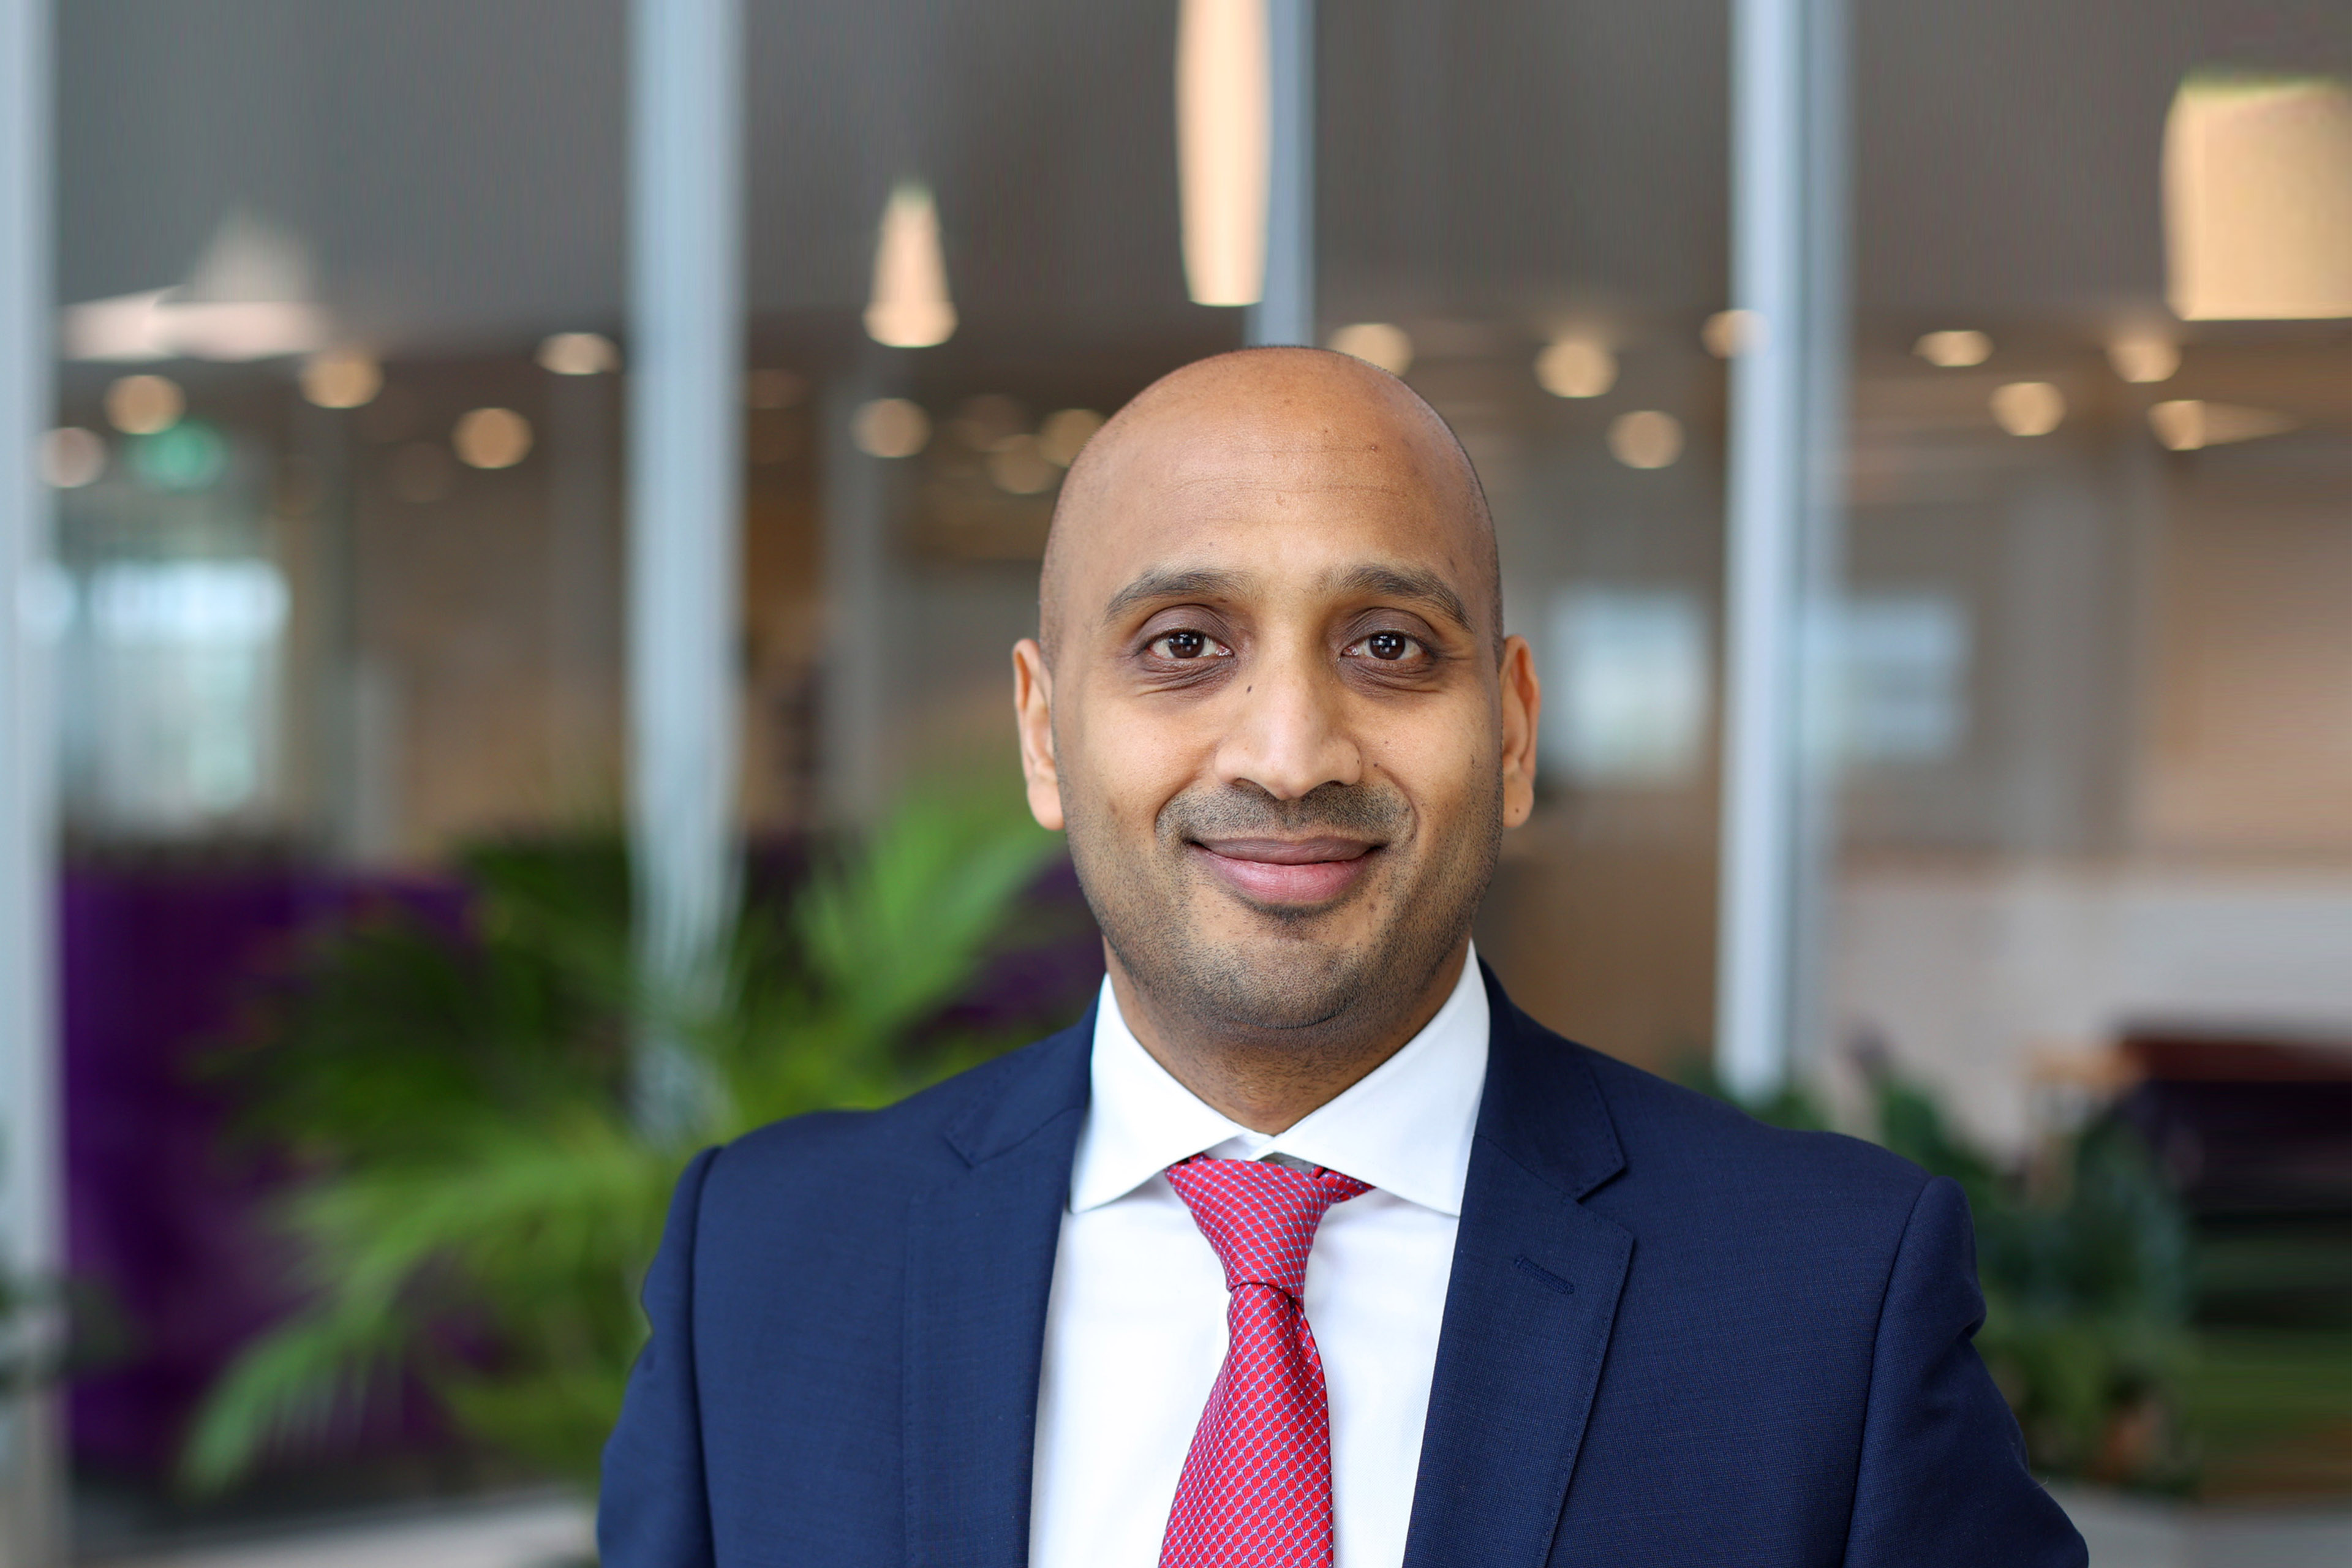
x=1405, y=1127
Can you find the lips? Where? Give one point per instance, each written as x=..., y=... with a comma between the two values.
x=1286, y=871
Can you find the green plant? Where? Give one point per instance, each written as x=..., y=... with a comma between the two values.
x=480, y=1194
x=2084, y=1259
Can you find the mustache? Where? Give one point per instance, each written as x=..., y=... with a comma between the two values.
x=1241, y=811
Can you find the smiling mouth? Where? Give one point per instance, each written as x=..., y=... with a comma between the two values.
x=1290, y=871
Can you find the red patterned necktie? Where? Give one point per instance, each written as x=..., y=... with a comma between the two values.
x=1256, y=1491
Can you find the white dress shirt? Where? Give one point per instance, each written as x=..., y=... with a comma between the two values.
x=1135, y=1331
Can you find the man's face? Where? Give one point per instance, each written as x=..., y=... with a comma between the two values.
x=1275, y=725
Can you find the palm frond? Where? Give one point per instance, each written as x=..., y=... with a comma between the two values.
x=463, y=1100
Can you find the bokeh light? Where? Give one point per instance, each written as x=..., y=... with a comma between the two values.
x=1954, y=350
x=342, y=378
x=1645, y=438
x=190, y=455
x=72, y=457
x=1728, y=333
x=2144, y=357
x=1065, y=433
x=578, y=353
x=492, y=438
x=1576, y=367
x=144, y=404
x=1019, y=469
x=2028, y=407
x=891, y=427
x=2191, y=425
x=1382, y=343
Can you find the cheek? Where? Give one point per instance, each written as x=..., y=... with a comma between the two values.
x=1446, y=762
x=1133, y=760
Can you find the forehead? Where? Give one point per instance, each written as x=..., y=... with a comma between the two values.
x=1271, y=505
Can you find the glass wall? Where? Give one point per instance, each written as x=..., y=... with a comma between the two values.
x=341, y=568
x=2095, y=816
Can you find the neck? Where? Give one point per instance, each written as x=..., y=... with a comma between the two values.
x=1267, y=1080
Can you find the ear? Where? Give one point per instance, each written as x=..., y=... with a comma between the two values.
x=1033, y=715
x=1522, y=706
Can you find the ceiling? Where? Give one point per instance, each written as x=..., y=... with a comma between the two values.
x=454, y=168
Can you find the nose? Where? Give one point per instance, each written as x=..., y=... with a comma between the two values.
x=1290, y=734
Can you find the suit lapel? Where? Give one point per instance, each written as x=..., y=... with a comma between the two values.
x=980, y=1262
x=1528, y=1311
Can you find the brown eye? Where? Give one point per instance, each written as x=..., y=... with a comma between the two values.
x=1388, y=647
x=1184, y=645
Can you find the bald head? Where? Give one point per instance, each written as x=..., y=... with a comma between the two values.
x=1264, y=427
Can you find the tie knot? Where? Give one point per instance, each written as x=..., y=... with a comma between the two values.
x=1260, y=1218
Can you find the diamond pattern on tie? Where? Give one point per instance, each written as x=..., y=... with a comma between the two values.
x=1256, y=1491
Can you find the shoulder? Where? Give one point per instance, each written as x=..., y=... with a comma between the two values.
x=1692, y=1164
x=1669, y=1129
x=863, y=1155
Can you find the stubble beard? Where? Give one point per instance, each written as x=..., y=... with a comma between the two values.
x=1286, y=979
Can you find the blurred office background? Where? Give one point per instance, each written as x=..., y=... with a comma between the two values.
x=337, y=612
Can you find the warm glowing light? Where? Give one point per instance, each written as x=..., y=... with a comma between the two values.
x=342, y=378
x=1576, y=367
x=1065, y=434
x=2258, y=197
x=1376, y=342
x=1225, y=118
x=142, y=405
x=1645, y=438
x=159, y=324
x=492, y=438
x=1954, y=350
x=911, y=309
x=1729, y=333
x=2187, y=425
x=2028, y=407
x=247, y=299
x=1019, y=468
x=2144, y=357
x=72, y=457
x=578, y=353
x=127, y=326
x=234, y=330
x=774, y=389
x=891, y=427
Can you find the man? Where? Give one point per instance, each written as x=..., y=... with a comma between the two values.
x=1305, y=1247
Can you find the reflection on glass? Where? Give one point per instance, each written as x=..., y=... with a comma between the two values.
x=1902, y=677
x=1626, y=686
x=174, y=668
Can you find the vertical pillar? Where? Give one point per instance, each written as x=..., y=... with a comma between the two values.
x=685, y=502
x=31, y=1518
x=1787, y=462
x=1285, y=313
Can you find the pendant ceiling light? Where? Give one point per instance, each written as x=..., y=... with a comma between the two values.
x=2258, y=197
x=911, y=309
x=1225, y=92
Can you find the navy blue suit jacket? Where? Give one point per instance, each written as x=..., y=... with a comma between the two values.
x=1674, y=1336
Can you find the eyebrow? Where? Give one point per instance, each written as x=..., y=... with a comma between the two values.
x=1164, y=583
x=1208, y=582
x=1408, y=582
